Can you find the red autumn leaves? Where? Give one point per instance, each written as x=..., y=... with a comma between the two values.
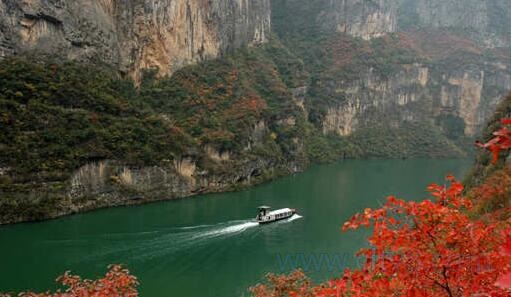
x=117, y=282
x=501, y=140
x=429, y=248
x=505, y=280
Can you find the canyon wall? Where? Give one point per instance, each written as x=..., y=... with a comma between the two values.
x=360, y=18
x=133, y=35
x=419, y=93
x=485, y=21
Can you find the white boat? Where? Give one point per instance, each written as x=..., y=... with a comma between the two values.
x=266, y=216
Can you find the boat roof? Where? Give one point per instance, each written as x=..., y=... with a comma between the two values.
x=264, y=207
x=279, y=211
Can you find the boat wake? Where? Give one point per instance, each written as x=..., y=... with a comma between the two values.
x=294, y=217
x=173, y=241
x=242, y=226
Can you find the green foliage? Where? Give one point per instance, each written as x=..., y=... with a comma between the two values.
x=72, y=114
x=219, y=102
x=410, y=139
x=454, y=126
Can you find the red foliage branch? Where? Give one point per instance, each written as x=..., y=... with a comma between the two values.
x=501, y=140
x=430, y=248
x=427, y=248
x=504, y=281
x=118, y=282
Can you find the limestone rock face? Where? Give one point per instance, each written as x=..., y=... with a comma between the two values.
x=485, y=20
x=366, y=19
x=453, y=13
x=416, y=94
x=133, y=35
x=362, y=18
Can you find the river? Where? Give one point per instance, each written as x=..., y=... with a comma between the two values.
x=209, y=245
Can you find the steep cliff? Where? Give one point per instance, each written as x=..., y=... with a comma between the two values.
x=486, y=21
x=432, y=90
x=358, y=18
x=133, y=35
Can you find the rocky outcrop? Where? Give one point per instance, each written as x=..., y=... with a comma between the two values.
x=133, y=35
x=362, y=18
x=112, y=183
x=467, y=89
x=418, y=93
x=366, y=19
x=484, y=20
x=358, y=18
x=458, y=13
x=216, y=155
x=343, y=119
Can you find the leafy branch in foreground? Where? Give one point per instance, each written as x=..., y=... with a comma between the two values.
x=433, y=247
x=500, y=142
x=117, y=282
x=427, y=248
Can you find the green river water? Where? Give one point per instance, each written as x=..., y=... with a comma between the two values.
x=208, y=245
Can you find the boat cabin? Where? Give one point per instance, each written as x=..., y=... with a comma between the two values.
x=267, y=216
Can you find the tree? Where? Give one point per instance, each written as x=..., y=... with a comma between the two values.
x=435, y=247
x=118, y=282
x=427, y=248
x=500, y=142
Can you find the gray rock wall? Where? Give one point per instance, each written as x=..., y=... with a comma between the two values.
x=132, y=35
